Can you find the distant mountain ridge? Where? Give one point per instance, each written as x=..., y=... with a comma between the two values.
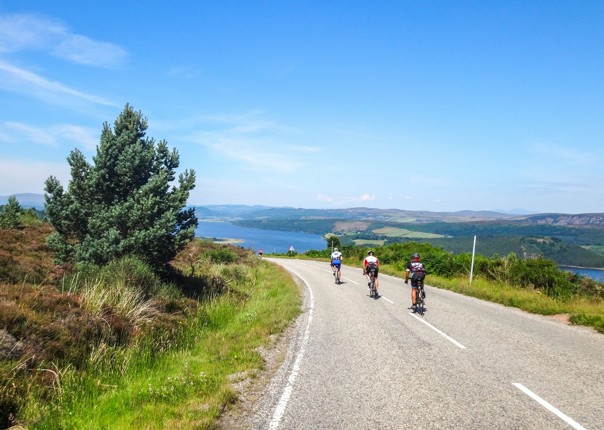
x=240, y=212
x=258, y=212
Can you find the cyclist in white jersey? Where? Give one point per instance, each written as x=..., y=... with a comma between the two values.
x=336, y=262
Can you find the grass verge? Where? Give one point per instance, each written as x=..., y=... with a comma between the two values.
x=182, y=379
x=580, y=310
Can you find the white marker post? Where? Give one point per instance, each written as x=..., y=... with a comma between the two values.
x=472, y=266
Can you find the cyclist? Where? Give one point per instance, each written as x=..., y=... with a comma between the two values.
x=371, y=264
x=416, y=271
x=336, y=262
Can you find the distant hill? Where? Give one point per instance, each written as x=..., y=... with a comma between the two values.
x=359, y=213
x=26, y=200
x=594, y=219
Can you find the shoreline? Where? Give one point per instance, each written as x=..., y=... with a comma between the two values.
x=581, y=267
x=222, y=240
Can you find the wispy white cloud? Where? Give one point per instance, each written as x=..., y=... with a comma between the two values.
x=27, y=32
x=259, y=144
x=19, y=133
x=32, y=32
x=19, y=80
x=247, y=152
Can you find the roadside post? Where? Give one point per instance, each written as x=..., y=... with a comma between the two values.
x=472, y=266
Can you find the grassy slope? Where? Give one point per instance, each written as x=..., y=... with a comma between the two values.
x=99, y=356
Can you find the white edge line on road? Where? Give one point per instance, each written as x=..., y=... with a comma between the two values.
x=287, y=391
x=449, y=338
x=549, y=407
x=388, y=300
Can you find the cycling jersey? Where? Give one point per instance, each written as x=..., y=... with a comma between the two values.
x=371, y=264
x=336, y=258
x=417, y=271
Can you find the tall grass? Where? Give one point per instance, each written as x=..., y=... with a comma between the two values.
x=183, y=380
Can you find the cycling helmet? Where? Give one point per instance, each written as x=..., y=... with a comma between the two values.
x=335, y=249
x=415, y=256
x=370, y=252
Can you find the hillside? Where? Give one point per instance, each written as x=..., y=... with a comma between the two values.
x=578, y=244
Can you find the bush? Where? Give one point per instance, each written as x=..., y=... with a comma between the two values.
x=221, y=256
x=125, y=203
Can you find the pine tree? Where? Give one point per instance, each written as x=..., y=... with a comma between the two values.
x=10, y=216
x=124, y=203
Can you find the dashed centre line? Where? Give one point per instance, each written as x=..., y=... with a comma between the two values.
x=549, y=407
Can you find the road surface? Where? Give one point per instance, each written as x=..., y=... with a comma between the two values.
x=360, y=363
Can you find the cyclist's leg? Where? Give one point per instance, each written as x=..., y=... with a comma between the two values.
x=377, y=282
x=413, y=292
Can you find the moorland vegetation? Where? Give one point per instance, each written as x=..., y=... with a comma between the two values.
x=111, y=315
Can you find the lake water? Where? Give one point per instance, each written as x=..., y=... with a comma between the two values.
x=270, y=241
x=595, y=274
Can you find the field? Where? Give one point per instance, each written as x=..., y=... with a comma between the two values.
x=402, y=232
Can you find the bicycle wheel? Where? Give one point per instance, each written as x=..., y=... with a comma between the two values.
x=373, y=289
x=420, y=295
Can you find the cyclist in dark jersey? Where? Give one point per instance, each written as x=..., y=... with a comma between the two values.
x=416, y=271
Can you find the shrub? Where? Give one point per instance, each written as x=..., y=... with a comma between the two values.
x=125, y=203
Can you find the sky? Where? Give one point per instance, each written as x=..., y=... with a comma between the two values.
x=414, y=105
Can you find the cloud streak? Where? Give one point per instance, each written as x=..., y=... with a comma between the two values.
x=259, y=144
x=31, y=32
x=19, y=80
x=19, y=133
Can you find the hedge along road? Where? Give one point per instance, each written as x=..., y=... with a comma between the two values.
x=360, y=363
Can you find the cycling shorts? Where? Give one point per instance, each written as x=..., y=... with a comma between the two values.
x=337, y=263
x=416, y=277
x=375, y=271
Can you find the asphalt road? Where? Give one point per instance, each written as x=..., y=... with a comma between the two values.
x=360, y=363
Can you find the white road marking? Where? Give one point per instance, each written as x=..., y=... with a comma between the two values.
x=549, y=407
x=287, y=391
x=449, y=338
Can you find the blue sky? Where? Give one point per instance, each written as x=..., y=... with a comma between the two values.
x=418, y=105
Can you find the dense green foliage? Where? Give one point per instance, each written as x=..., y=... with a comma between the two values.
x=123, y=203
x=10, y=215
x=333, y=241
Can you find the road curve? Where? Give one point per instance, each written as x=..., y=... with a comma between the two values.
x=359, y=363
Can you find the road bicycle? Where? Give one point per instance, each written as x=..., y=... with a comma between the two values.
x=420, y=297
x=336, y=274
x=372, y=290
